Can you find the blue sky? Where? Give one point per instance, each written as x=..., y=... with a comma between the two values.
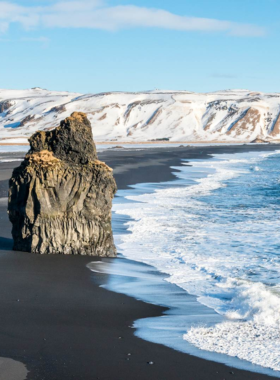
x=133, y=45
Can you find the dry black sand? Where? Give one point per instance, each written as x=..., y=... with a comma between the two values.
x=61, y=325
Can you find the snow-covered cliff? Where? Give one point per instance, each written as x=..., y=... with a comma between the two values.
x=233, y=115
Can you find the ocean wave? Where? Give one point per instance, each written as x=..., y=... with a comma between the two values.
x=249, y=341
x=213, y=239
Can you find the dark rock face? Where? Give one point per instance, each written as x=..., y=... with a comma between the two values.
x=5, y=105
x=71, y=142
x=58, y=109
x=26, y=120
x=60, y=198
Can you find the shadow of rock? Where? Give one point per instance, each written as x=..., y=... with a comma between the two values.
x=6, y=244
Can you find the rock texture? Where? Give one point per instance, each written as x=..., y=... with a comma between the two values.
x=5, y=105
x=60, y=198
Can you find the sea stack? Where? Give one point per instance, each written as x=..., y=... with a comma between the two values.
x=60, y=197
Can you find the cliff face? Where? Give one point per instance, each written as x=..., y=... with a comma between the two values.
x=60, y=198
x=175, y=116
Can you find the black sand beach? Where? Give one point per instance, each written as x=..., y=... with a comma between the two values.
x=60, y=324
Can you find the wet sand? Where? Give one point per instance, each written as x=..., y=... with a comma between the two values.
x=58, y=322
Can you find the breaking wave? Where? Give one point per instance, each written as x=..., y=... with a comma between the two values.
x=218, y=239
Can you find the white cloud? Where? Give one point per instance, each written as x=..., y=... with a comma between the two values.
x=4, y=26
x=94, y=14
x=76, y=6
x=43, y=41
x=35, y=39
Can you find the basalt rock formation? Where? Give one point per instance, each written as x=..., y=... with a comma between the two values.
x=60, y=198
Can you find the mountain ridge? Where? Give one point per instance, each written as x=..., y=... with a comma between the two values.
x=181, y=116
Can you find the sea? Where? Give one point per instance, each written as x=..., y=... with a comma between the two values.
x=207, y=247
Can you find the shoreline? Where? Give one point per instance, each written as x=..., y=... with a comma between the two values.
x=188, y=311
x=161, y=142
x=65, y=326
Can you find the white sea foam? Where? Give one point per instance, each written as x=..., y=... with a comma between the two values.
x=213, y=239
x=252, y=331
x=10, y=159
x=244, y=340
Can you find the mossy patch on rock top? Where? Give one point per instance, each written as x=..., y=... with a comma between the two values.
x=60, y=198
